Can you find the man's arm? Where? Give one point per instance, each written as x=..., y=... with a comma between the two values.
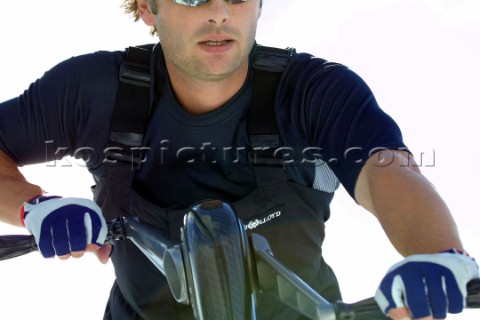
x=15, y=190
x=411, y=212
x=428, y=283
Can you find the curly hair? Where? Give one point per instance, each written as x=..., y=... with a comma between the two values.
x=131, y=7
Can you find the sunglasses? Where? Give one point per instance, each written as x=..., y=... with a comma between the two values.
x=196, y=3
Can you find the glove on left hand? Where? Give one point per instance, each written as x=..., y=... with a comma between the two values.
x=428, y=284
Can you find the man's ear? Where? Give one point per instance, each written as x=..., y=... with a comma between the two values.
x=145, y=13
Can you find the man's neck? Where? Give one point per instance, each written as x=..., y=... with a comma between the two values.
x=198, y=96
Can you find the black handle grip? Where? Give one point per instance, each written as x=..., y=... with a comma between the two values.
x=12, y=246
x=368, y=309
x=473, y=297
x=362, y=310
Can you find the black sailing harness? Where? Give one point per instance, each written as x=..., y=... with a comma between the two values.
x=290, y=216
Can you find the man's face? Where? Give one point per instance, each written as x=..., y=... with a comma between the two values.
x=209, y=42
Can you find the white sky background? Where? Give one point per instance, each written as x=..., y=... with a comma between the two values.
x=421, y=59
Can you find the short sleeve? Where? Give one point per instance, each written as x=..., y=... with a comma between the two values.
x=329, y=108
x=65, y=112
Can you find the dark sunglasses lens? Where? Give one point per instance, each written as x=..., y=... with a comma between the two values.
x=196, y=3
x=191, y=3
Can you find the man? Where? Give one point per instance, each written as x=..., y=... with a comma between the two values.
x=203, y=69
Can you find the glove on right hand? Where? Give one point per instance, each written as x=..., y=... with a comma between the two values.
x=63, y=225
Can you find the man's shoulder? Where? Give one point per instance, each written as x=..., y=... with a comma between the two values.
x=304, y=64
x=87, y=68
x=306, y=73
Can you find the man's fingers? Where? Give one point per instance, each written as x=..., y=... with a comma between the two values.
x=77, y=254
x=404, y=314
x=92, y=248
x=399, y=314
x=73, y=254
x=64, y=257
x=104, y=253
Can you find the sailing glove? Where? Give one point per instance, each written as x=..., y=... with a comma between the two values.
x=428, y=284
x=63, y=225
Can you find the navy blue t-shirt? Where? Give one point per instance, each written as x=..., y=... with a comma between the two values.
x=328, y=119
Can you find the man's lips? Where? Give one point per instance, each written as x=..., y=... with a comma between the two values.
x=216, y=39
x=215, y=42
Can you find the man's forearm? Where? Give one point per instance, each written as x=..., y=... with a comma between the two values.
x=411, y=212
x=14, y=191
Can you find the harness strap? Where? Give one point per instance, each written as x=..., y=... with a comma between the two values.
x=265, y=153
x=132, y=107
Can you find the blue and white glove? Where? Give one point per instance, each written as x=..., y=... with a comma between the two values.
x=428, y=284
x=64, y=225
